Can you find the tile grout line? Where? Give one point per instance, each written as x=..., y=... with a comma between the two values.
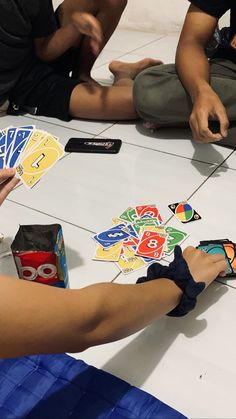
x=51, y=216
x=173, y=154
x=133, y=145
x=214, y=171
x=63, y=126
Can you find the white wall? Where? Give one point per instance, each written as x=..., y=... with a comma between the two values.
x=154, y=15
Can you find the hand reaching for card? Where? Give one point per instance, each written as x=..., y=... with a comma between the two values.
x=204, y=267
x=7, y=183
x=88, y=25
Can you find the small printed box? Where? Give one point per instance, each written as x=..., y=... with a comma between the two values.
x=39, y=254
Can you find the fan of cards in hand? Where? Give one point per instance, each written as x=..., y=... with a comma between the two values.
x=31, y=151
x=137, y=238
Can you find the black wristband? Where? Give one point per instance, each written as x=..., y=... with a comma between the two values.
x=178, y=272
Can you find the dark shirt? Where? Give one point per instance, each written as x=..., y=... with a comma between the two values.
x=20, y=22
x=218, y=8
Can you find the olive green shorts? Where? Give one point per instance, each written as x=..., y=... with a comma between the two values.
x=161, y=98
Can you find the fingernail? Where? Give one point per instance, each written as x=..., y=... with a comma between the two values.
x=225, y=133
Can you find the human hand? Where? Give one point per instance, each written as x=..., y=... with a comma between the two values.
x=88, y=25
x=7, y=183
x=204, y=267
x=206, y=105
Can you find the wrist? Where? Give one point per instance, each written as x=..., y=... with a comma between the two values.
x=179, y=273
x=201, y=89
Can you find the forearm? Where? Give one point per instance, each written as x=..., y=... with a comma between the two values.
x=48, y=49
x=193, y=67
x=121, y=310
x=36, y=318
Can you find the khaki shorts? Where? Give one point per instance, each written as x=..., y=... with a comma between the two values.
x=161, y=98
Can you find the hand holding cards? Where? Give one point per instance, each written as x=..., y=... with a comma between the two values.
x=32, y=152
x=224, y=247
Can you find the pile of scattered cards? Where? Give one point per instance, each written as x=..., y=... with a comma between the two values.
x=137, y=238
x=31, y=151
x=224, y=247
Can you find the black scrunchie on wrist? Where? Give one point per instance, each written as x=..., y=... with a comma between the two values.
x=178, y=272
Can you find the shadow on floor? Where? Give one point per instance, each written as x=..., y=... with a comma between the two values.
x=139, y=358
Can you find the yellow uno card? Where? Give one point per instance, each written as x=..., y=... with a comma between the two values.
x=129, y=262
x=109, y=255
x=34, y=139
x=116, y=221
x=153, y=228
x=37, y=162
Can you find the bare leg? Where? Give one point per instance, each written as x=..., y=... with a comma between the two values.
x=109, y=103
x=108, y=12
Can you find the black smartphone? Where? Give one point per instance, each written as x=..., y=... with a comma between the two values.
x=93, y=145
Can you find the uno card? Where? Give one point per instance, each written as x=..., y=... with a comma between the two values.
x=10, y=133
x=34, y=139
x=109, y=255
x=160, y=229
x=139, y=224
x=129, y=262
x=2, y=148
x=175, y=237
x=217, y=249
x=230, y=250
x=184, y=212
x=10, y=140
x=20, y=139
x=152, y=245
x=112, y=236
x=130, y=229
x=149, y=210
x=131, y=241
x=115, y=221
x=35, y=164
x=129, y=215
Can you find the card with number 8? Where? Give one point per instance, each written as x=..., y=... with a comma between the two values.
x=152, y=245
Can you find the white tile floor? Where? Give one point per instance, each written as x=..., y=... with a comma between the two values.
x=188, y=363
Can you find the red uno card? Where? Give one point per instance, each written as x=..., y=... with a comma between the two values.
x=152, y=245
x=148, y=210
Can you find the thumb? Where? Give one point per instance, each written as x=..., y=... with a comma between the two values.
x=221, y=267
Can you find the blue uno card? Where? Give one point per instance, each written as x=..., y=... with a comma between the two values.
x=112, y=236
x=2, y=148
x=21, y=137
x=130, y=229
x=12, y=142
x=10, y=133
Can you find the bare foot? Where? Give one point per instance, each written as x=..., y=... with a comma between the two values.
x=131, y=70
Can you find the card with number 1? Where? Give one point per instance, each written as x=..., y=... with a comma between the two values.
x=35, y=164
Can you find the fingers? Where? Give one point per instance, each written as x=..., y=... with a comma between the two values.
x=94, y=31
x=221, y=268
x=6, y=174
x=204, y=109
x=200, y=129
x=224, y=123
x=6, y=187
